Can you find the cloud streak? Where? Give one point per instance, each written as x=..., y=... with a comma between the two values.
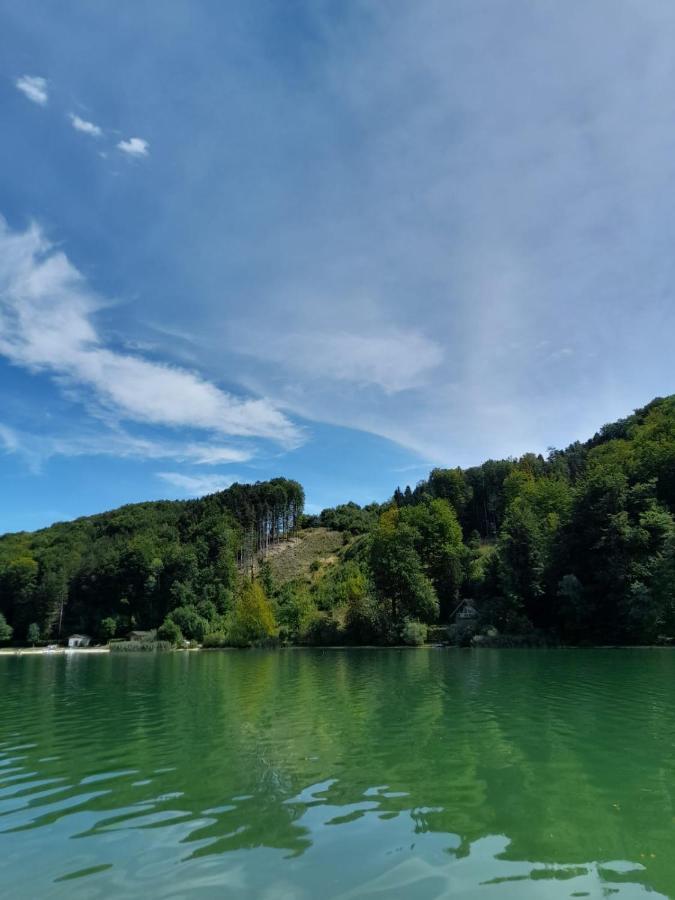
x=197, y=485
x=47, y=314
x=37, y=449
x=34, y=88
x=85, y=127
x=135, y=146
x=389, y=358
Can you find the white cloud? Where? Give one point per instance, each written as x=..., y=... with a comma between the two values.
x=84, y=126
x=391, y=359
x=33, y=87
x=37, y=449
x=9, y=439
x=197, y=485
x=484, y=210
x=135, y=146
x=47, y=325
x=213, y=455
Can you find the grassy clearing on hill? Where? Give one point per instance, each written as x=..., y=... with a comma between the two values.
x=293, y=559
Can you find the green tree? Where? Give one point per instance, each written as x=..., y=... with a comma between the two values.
x=253, y=619
x=399, y=580
x=6, y=630
x=191, y=624
x=451, y=485
x=33, y=633
x=414, y=633
x=108, y=628
x=169, y=631
x=294, y=610
x=521, y=558
x=438, y=543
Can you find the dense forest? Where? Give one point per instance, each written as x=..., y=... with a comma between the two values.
x=574, y=547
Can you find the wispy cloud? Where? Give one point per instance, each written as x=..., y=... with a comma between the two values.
x=135, y=146
x=36, y=449
x=47, y=315
x=9, y=439
x=34, y=87
x=197, y=485
x=391, y=359
x=84, y=126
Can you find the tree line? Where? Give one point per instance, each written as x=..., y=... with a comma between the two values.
x=577, y=546
x=142, y=565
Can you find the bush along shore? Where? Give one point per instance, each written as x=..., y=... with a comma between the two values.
x=576, y=548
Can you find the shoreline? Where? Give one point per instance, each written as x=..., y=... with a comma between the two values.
x=42, y=651
x=94, y=651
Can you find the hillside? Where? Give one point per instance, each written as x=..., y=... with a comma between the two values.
x=306, y=553
x=577, y=546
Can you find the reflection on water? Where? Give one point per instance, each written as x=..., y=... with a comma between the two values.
x=383, y=774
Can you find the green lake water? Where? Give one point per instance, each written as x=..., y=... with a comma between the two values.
x=338, y=774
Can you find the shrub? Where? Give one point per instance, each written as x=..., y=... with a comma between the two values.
x=322, y=630
x=6, y=630
x=437, y=634
x=108, y=628
x=460, y=634
x=414, y=633
x=215, y=639
x=161, y=646
x=33, y=633
x=363, y=619
x=294, y=610
x=252, y=620
x=190, y=623
x=139, y=646
x=340, y=585
x=170, y=632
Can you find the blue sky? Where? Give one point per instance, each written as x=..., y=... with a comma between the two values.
x=342, y=242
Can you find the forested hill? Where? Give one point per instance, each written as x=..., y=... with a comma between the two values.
x=577, y=546
x=129, y=568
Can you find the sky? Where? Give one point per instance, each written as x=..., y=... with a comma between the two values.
x=342, y=242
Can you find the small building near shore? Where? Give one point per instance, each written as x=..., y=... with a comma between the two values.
x=79, y=640
x=465, y=611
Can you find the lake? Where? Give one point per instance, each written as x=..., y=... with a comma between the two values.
x=338, y=774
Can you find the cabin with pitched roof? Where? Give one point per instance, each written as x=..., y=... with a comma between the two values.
x=465, y=611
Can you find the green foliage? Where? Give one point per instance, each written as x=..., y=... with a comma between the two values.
x=267, y=578
x=398, y=576
x=438, y=543
x=170, y=632
x=579, y=545
x=215, y=639
x=364, y=620
x=139, y=564
x=324, y=629
x=108, y=628
x=521, y=556
x=350, y=517
x=140, y=646
x=252, y=620
x=573, y=609
x=6, y=630
x=451, y=485
x=189, y=622
x=338, y=585
x=414, y=633
x=33, y=634
x=295, y=610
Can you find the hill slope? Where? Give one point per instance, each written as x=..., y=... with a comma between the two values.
x=579, y=545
